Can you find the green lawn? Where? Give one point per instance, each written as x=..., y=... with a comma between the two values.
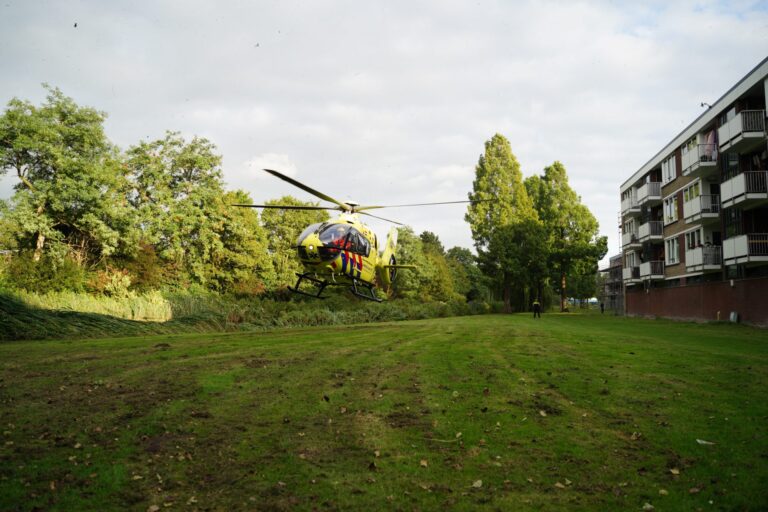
x=500, y=412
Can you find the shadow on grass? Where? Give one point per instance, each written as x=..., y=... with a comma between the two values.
x=20, y=321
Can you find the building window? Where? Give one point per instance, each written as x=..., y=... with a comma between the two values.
x=668, y=170
x=672, y=252
x=692, y=192
x=693, y=239
x=670, y=209
x=730, y=165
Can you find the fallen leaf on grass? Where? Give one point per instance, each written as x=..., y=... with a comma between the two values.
x=423, y=463
x=477, y=484
x=377, y=453
x=694, y=490
x=153, y=508
x=674, y=471
x=568, y=482
x=559, y=485
x=648, y=507
x=543, y=413
x=708, y=443
x=663, y=492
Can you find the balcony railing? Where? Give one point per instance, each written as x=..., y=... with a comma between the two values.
x=653, y=228
x=749, y=182
x=701, y=154
x=745, y=122
x=628, y=238
x=746, y=247
x=704, y=204
x=652, y=269
x=707, y=256
x=649, y=191
x=630, y=273
x=629, y=203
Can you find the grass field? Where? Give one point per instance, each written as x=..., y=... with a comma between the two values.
x=495, y=412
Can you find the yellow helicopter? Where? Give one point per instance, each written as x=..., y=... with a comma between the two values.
x=344, y=251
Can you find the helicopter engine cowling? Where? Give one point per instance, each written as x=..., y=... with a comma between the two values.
x=387, y=275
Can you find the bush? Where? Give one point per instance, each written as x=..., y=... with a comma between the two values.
x=46, y=275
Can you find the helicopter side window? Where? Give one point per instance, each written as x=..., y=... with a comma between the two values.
x=358, y=243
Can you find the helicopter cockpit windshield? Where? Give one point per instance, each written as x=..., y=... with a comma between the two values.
x=334, y=234
x=308, y=231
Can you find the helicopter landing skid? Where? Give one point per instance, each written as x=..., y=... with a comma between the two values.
x=317, y=282
x=371, y=295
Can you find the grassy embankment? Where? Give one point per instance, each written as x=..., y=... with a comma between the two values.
x=567, y=412
x=30, y=316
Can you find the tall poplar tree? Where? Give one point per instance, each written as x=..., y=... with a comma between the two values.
x=501, y=202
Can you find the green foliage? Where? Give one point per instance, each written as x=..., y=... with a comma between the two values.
x=48, y=274
x=431, y=243
x=572, y=232
x=70, y=183
x=501, y=203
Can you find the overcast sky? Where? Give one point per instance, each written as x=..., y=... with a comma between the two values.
x=391, y=102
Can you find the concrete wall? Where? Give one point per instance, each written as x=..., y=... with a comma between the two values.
x=702, y=301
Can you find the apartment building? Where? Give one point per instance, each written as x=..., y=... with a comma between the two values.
x=695, y=216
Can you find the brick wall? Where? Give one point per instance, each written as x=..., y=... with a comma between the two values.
x=702, y=301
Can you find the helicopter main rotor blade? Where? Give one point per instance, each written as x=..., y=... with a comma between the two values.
x=287, y=207
x=382, y=218
x=359, y=208
x=344, y=206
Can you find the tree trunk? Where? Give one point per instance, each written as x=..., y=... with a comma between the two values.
x=40, y=239
x=563, y=306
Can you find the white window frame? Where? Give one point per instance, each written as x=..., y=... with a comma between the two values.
x=671, y=251
x=693, y=239
x=670, y=207
x=668, y=170
x=692, y=191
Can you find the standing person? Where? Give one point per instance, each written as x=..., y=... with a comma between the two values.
x=536, y=309
x=602, y=308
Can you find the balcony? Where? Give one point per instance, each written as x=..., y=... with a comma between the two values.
x=631, y=275
x=630, y=240
x=700, y=161
x=704, y=259
x=702, y=208
x=750, y=186
x=749, y=248
x=649, y=193
x=652, y=230
x=629, y=205
x=653, y=270
x=743, y=132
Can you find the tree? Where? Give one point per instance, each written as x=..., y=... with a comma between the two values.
x=70, y=197
x=499, y=200
x=185, y=215
x=283, y=228
x=572, y=231
x=468, y=279
x=431, y=242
